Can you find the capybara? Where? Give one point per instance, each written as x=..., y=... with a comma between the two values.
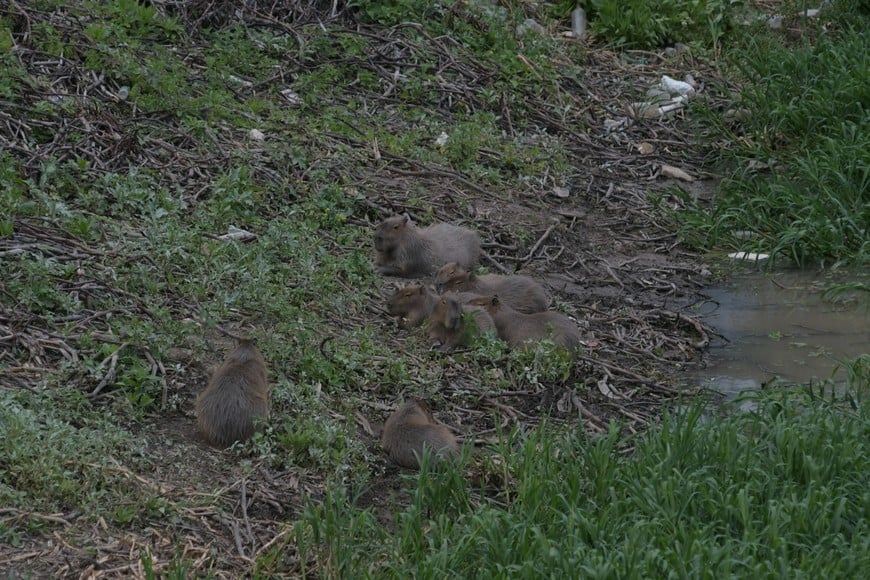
x=403, y=249
x=519, y=292
x=236, y=396
x=517, y=328
x=414, y=303
x=453, y=324
x=410, y=428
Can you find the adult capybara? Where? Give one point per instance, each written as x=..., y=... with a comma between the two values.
x=411, y=428
x=236, y=396
x=519, y=292
x=403, y=249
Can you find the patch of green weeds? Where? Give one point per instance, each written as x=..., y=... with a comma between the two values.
x=809, y=127
x=53, y=457
x=36, y=284
x=655, y=23
x=779, y=490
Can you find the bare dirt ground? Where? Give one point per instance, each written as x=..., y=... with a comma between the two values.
x=604, y=252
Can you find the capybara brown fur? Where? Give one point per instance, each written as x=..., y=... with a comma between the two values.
x=412, y=427
x=236, y=396
x=519, y=292
x=414, y=303
x=517, y=328
x=403, y=249
x=452, y=324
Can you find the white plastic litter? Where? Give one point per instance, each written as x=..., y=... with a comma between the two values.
x=675, y=87
x=748, y=256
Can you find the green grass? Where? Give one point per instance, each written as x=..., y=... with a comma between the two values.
x=778, y=491
x=809, y=123
x=750, y=494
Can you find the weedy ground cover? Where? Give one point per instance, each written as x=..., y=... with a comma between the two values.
x=778, y=490
x=135, y=136
x=798, y=181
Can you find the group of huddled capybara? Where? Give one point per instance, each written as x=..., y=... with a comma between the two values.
x=461, y=306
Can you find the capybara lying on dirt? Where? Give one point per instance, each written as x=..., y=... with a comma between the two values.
x=403, y=249
x=517, y=328
x=519, y=292
x=410, y=428
x=414, y=303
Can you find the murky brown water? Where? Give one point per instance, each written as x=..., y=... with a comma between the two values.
x=779, y=325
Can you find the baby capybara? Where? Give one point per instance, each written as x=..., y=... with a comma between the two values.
x=410, y=428
x=517, y=328
x=403, y=249
x=519, y=292
x=453, y=324
x=236, y=396
x=414, y=303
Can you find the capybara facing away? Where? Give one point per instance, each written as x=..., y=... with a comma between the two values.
x=453, y=324
x=414, y=303
x=403, y=249
x=410, y=428
x=236, y=396
x=519, y=292
x=517, y=328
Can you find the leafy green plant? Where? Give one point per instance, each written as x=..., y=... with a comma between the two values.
x=778, y=489
x=807, y=124
x=657, y=23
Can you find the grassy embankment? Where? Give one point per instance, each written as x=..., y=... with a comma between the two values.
x=779, y=491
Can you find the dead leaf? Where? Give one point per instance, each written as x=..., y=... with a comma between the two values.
x=645, y=148
x=607, y=390
x=675, y=173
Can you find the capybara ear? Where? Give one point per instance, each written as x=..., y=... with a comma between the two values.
x=406, y=218
x=421, y=290
x=495, y=300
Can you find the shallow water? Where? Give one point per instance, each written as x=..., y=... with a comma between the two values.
x=778, y=325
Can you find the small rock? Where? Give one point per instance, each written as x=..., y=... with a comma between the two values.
x=123, y=93
x=530, y=25
x=561, y=192
x=775, y=22
x=256, y=135
x=441, y=141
